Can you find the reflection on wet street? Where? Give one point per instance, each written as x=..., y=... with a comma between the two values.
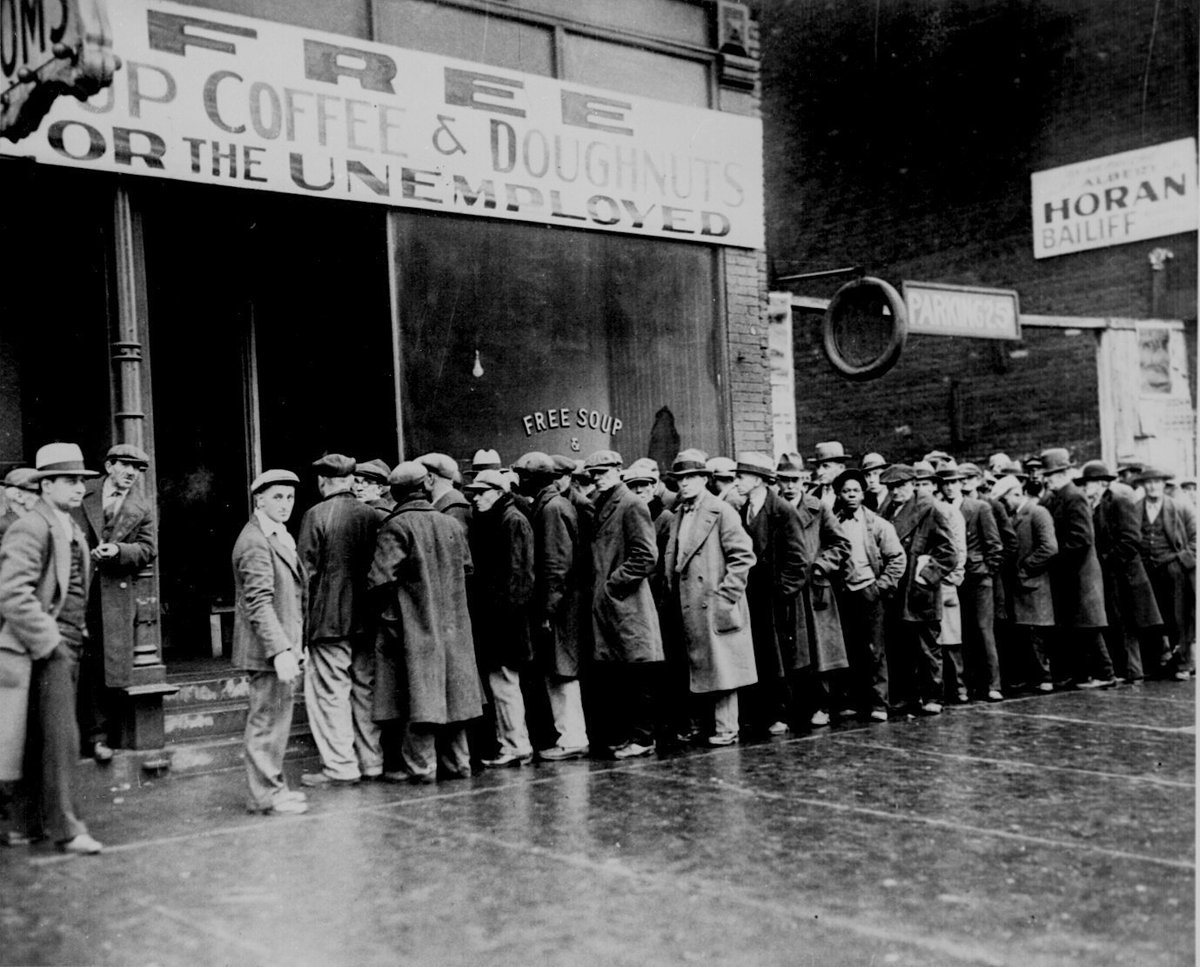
x=1044, y=831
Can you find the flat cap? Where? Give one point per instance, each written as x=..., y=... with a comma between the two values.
x=1006, y=485
x=375, y=470
x=759, y=464
x=722, y=467
x=640, y=471
x=441, y=464
x=485, y=460
x=873, y=461
x=535, y=462
x=645, y=465
x=690, y=462
x=790, y=466
x=603, y=458
x=23, y=478
x=407, y=475
x=488, y=480
x=897, y=473
x=1154, y=473
x=269, y=478
x=334, y=465
x=128, y=453
x=563, y=464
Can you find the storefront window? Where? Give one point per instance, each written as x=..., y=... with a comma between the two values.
x=619, y=67
x=520, y=337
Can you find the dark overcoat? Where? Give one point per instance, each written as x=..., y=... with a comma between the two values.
x=706, y=575
x=127, y=598
x=453, y=504
x=1075, y=576
x=779, y=573
x=1032, y=601
x=501, y=589
x=1128, y=595
x=924, y=530
x=1003, y=579
x=819, y=641
x=268, y=611
x=35, y=567
x=336, y=546
x=425, y=655
x=560, y=583
x=985, y=551
x=624, y=554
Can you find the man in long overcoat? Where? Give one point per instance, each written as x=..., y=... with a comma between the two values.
x=336, y=546
x=44, y=576
x=418, y=578
x=706, y=564
x=779, y=573
x=627, y=641
x=1076, y=580
x=915, y=612
x=268, y=622
x=501, y=594
x=1134, y=621
x=1169, y=549
x=559, y=598
x=120, y=528
x=1031, y=603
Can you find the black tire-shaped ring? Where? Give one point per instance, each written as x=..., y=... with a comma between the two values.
x=899, y=334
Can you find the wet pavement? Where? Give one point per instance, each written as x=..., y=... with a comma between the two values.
x=1049, y=830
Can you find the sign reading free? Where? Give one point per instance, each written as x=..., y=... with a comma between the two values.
x=217, y=98
x=962, y=310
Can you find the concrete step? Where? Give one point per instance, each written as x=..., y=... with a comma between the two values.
x=216, y=719
x=204, y=691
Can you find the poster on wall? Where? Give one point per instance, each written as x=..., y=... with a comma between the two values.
x=215, y=98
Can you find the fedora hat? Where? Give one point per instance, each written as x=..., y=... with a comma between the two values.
x=923, y=470
x=1153, y=473
x=488, y=480
x=690, y=462
x=950, y=472
x=722, y=467
x=831, y=450
x=790, y=466
x=485, y=460
x=1056, y=459
x=61, y=460
x=1096, y=470
x=756, y=463
x=873, y=461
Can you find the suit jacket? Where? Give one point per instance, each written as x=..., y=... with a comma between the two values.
x=1179, y=528
x=268, y=615
x=985, y=551
x=35, y=566
x=624, y=554
x=924, y=530
x=335, y=548
x=1075, y=576
x=127, y=605
x=1032, y=601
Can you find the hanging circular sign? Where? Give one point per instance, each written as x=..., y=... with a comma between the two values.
x=865, y=328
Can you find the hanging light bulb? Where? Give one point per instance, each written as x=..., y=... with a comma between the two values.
x=477, y=369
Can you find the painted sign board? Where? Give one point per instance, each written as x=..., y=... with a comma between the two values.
x=962, y=310
x=1127, y=197
x=221, y=99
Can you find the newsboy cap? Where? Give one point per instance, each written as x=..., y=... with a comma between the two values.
x=61, y=460
x=562, y=464
x=23, y=478
x=488, y=480
x=441, y=464
x=831, y=450
x=690, y=462
x=375, y=470
x=269, y=478
x=640, y=471
x=897, y=473
x=128, y=453
x=407, y=475
x=1006, y=485
x=603, y=458
x=334, y=465
x=1096, y=470
x=759, y=464
x=535, y=462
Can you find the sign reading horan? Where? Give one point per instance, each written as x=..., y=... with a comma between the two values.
x=223, y=99
x=1127, y=197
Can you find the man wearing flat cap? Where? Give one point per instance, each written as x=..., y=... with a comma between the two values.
x=336, y=547
x=1134, y=620
x=268, y=621
x=1076, y=580
x=773, y=585
x=371, y=486
x=120, y=528
x=439, y=486
x=428, y=679
x=1168, y=544
x=20, y=494
x=627, y=639
x=44, y=575
x=828, y=460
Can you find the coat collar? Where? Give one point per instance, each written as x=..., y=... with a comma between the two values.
x=708, y=512
x=278, y=548
x=609, y=502
x=62, y=544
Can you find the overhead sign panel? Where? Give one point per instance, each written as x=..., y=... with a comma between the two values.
x=1127, y=197
x=216, y=98
x=960, y=310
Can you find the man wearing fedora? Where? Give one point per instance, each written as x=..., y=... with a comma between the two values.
x=1168, y=543
x=829, y=459
x=1076, y=580
x=872, y=571
x=780, y=571
x=1134, y=620
x=44, y=575
x=440, y=489
x=336, y=546
x=268, y=621
x=724, y=480
x=707, y=561
x=627, y=639
x=875, y=493
x=787, y=475
x=120, y=528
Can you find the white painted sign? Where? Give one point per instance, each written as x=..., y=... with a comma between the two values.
x=1127, y=197
x=961, y=310
x=215, y=98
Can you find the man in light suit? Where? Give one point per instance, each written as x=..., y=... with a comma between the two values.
x=120, y=529
x=44, y=574
x=267, y=623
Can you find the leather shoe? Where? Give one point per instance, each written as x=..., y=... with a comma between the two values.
x=101, y=752
x=879, y=715
x=508, y=759
x=83, y=844
x=282, y=806
x=777, y=728
x=995, y=695
x=322, y=780
x=559, y=754
x=631, y=750
x=722, y=738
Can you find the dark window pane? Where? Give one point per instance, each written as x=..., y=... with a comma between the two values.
x=632, y=70
x=348, y=17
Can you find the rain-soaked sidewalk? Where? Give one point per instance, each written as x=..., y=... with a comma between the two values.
x=1042, y=831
